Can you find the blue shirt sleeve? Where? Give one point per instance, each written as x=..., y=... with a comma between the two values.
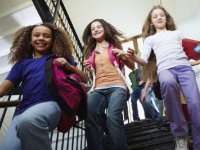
x=15, y=75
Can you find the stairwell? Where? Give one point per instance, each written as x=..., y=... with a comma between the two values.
x=145, y=135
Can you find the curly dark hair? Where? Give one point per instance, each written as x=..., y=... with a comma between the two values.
x=112, y=36
x=21, y=48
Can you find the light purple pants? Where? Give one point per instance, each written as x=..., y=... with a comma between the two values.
x=171, y=81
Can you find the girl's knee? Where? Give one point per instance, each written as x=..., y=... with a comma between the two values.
x=28, y=123
x=24, y=124
x=114, y=120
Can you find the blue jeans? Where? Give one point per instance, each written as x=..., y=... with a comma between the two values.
x=114, y=99
x=159, y=105
x=30, y=130
x=135, y=96
x=157, y=116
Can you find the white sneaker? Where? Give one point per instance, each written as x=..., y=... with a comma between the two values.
x=181, y=143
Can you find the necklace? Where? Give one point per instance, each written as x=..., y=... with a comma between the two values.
x=101, y=46
x=33, y=55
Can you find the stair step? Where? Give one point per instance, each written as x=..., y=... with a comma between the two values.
x=144, y=135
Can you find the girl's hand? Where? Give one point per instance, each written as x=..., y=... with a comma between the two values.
x=141, y=82
x=119, y=53
x=87, y=65
x=130, y=52
x=5, y=87
x=62, y=62
x=194, y=62
x=143, y=96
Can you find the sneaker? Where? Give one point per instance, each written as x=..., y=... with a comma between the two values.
x=181, y=143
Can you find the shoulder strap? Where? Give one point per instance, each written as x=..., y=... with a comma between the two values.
x=114, y=58
x=91, y=58
x=49, y=76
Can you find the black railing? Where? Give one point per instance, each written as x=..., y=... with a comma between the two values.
x=74, y=139
x=54, y=11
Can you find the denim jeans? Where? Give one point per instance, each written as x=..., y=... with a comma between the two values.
x=114, y=99
x=159, y=105
x=30, y=130
x=157, y=116
x=135, y=96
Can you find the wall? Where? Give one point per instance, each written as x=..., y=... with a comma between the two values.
x=188, y=18
x=128, y=16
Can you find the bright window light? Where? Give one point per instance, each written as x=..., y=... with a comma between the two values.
x=27, y=16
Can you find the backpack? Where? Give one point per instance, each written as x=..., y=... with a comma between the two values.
x=69, y=92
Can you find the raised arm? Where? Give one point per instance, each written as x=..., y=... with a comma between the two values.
x=131, y=54
x=144, y=91
x=129, y=62
x=63, y=63
x=5, y=87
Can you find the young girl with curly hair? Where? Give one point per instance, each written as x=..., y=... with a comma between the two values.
x=38, y=113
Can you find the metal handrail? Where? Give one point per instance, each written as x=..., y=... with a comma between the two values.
x=54, y=11
x=73, y=139
x=5, y=104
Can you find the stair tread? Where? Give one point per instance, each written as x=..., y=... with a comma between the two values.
x=144, y=135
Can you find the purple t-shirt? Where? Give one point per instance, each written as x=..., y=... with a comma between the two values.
x=30, y=74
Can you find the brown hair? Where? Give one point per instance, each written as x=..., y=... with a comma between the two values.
x=21, y=48
x=149, y=70
x=111, y=36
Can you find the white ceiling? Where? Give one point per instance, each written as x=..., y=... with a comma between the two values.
x=129, y=15
x=126, y=15
x=7, y=6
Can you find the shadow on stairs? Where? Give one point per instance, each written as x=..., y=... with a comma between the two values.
x=144, y=135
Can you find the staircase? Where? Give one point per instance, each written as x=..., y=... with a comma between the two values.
x=145, y=135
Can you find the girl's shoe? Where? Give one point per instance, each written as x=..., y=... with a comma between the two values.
x=181, y=143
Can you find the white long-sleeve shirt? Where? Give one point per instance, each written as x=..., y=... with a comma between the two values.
x=167, y=46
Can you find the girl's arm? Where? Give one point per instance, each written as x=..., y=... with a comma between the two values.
x=131, y=54
x=129, y=62
x=5, y=87
x=194, y=62
x=83, y=76
x=144, y=91
x=63, y=63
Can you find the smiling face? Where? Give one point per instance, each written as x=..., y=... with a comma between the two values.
x=41, y=40
x=97, y=31
x=158, y=19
